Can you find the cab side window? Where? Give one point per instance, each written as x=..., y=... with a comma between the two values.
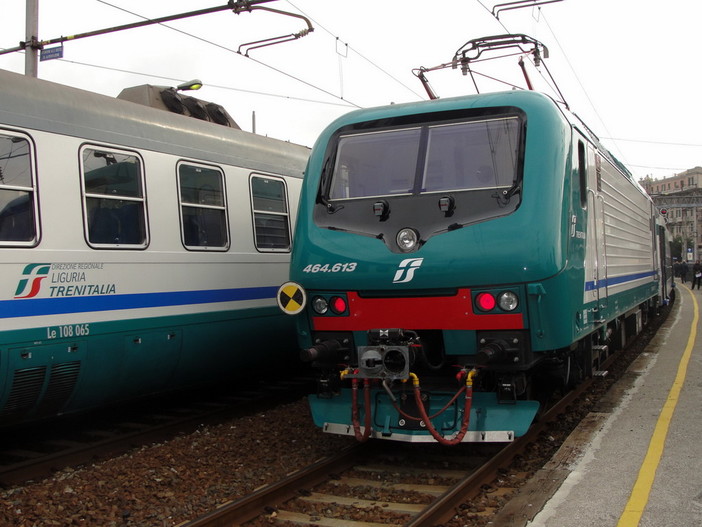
x=114, y=202
x=203, y=208
x=270, y=210
x=582, y=174
x=18, y=211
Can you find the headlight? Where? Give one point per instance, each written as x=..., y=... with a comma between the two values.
x=508, y=301
x=320, y=305
x=407, y=239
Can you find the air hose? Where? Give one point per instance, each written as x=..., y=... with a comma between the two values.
x=360, y=436
x=365, y=435
x=466, y=411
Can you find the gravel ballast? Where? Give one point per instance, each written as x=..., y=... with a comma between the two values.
x=168, y=483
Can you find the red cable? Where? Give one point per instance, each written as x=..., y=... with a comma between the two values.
x=435, y=434
x=361, y=437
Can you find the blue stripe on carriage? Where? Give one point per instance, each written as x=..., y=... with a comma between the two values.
x=32, y=307
x=590, y=286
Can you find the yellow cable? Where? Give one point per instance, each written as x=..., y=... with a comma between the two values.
x=469, y=378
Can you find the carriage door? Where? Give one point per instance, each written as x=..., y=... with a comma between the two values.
x=596, y=260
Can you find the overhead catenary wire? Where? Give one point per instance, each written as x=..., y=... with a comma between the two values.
x=594, y=108
x=519, y=4
x=346, y=101
x=575, y=74
x=565, y=56
x=38, y=44
x=382, y=70
x=339, y=100
x=379, y=68
x=491, y=14
x=614, y=140
x=660, y=168
x=225, y=48
x=667, y=143
x=218, y=86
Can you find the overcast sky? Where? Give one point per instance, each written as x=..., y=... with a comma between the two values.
x=629, y=68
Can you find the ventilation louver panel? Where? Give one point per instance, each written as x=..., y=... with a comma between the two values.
x=62, y=382
x=26, y=388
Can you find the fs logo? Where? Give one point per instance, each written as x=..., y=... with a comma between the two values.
x=30, y=284
x=405, y=271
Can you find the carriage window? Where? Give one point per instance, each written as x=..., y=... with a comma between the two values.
x=113, y=188
x=18, y=225
x=203, y=208
x=271, y=217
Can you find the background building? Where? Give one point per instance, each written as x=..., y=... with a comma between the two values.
x=681, y=197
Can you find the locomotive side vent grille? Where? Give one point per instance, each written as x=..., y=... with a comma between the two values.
x=26, y=388
x=61, y=384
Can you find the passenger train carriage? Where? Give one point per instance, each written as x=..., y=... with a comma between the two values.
x=454, y=256
x=140, y=250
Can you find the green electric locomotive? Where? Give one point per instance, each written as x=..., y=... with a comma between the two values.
x=454, y=257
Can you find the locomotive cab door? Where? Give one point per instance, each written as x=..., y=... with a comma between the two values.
x=596, y=291
x=664, y=261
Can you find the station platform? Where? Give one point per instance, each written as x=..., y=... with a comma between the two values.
x=638, y=459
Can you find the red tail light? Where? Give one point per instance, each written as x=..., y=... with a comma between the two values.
x=337, y=304
x=485, y=301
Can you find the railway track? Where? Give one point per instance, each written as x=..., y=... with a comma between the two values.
x=36, y=451
x=384, y=482
x=380, y=483
x=160, y=484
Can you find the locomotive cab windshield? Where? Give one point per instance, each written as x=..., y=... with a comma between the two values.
x=434, y=175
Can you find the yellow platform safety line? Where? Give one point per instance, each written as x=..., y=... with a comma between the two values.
x=642, y=488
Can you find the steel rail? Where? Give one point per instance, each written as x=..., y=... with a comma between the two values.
x=440, y=510
x=444, y=507
x=251, y=506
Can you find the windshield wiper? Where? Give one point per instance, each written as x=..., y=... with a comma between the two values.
x=322, y=192
x=506, y=195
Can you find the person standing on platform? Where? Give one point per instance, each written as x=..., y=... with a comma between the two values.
x=683, y=272
x=696, y=274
